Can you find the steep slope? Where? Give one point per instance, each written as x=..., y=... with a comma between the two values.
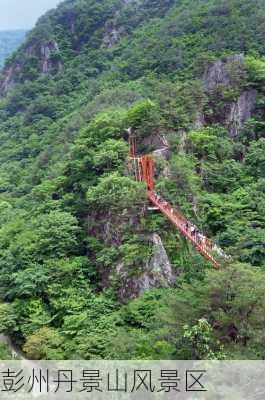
x=9, y=42
x=77, y=240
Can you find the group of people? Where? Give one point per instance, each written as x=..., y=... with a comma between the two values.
x=189, y=227
x=196, y=234
x=164, y=203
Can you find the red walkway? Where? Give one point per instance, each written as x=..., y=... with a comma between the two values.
x=182, y=223
x=143, y=169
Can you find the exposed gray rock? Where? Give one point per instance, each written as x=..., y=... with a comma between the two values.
x=216, y=75
x=44, y=51
x=182, y=142
x=114, y=30
x=222, y=72
x=155, y=141
x=72, y=25
x=241, y=111
x=158, y=269
x=47, y=63
x=199, y=120
x=158, y=273
x=162, y=153
x=161, y=156
x=229, y=73
x=113, y=34
x=8, y=78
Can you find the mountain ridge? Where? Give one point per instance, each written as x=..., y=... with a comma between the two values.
x=9, y=42
x=85, y=265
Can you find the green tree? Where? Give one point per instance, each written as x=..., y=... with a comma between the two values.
x=8, y=318
x=46, y=343
x=110, y=155
x=116, y=192
x=255, y=158
x=204, y=345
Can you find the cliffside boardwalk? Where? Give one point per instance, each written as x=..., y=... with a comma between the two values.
x=143, y=169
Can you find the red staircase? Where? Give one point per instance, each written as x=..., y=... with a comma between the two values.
x=143, y=169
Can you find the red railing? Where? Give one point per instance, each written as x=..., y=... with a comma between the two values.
x=143, y=167
x=183, y=226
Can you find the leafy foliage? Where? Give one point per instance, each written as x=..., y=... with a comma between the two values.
x=73, y=221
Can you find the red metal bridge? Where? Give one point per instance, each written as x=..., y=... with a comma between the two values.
x=143, y=169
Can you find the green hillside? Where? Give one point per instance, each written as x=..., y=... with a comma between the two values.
x=9, y=42
x=86, y=270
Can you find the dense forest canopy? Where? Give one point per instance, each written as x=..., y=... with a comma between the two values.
x=82, y=260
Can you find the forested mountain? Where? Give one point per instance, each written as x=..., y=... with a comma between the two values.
x=9, y=42
x=86, y=270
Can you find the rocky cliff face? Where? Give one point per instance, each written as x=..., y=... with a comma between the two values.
x=223, y=72
x=155, y=270
x=157, y=273
x=8, y=78
x=225, y=75
x=50, y=57
x=113, y=33
x=86, y=25
x=241, y=111
x=47, y=54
